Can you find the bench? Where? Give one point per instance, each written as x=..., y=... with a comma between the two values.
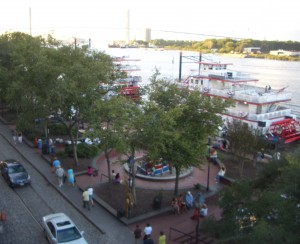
x=226, y=180
x=95, y=172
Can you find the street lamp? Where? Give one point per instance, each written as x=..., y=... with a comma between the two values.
x=208, y=165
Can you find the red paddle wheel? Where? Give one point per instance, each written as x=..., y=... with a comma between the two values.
x=131, y=91
x=287, y=129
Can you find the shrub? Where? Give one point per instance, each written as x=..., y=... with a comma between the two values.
x=83, y=150
x=58, y=129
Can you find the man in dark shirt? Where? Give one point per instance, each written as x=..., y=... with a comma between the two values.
x=148, y=240
x=137, y=233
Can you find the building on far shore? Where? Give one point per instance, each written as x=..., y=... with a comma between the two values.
x=281, y=52
x=252, y=50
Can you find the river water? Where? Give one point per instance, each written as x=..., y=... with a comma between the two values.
x=277, y=74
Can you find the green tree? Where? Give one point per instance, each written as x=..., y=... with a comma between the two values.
x=270, y=202
x=179, y=123
x=244, y=142
x=107, y=121
x=44, y=77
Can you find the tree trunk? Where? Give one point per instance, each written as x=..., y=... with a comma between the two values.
x=132, y=175
x=108, y=164
x=74, y=146
x=177, y=173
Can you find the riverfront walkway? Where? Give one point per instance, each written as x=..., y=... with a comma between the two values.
x=115, y=230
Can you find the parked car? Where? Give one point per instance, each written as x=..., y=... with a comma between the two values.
x=59, y=228
x=14, y=173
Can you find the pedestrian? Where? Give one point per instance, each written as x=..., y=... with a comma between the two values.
x=55, y=164
x=137, y=234
x=203, y=210
x=189, y=200
x=91, y=195
x=71, y=177
x=20, y=137
x=14, y=136
x=86, y=199
x=147, y=231
x=60, y=175
x=162, y=238
x=148, y=240
x=220, y=174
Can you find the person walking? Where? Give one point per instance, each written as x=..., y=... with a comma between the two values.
x=60, y=175
x=55, y=164
x=20, y=137
x=71, y=177
x=86, y=199
x=147, y=231
x=148, y=240
x=137, y=234
x=91, y=195
x=14, y=136
x=162, y=238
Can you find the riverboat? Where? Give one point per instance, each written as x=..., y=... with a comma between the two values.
x=261, y=108
x=128, y=85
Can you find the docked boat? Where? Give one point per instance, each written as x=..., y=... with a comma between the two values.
x=261, y=108
x=129, y=85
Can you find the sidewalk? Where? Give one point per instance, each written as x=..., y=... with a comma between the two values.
x=99, y=216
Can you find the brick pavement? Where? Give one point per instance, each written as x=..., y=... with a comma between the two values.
x=164, y=220
x=161, y=222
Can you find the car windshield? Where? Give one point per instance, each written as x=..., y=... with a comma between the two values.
x=67, y=235
x=16, y=169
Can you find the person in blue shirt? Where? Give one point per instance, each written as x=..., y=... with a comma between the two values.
x=55, y=164
x=71, y=178
x=189, y=199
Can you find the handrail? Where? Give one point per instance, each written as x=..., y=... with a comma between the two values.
x=191, y=238
x=103, y=175
x=178, y=231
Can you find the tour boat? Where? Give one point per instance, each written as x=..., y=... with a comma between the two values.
x=129, y=86
x=261, y=108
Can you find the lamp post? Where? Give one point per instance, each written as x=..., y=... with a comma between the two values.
x=208, y=165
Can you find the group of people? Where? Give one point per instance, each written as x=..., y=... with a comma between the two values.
x=17, y=137
x=180, y=204
x=87, y=197
x=62, y=176
x=147, y=235
x=116, y=177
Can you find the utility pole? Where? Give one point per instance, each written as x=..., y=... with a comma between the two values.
x=30, y=30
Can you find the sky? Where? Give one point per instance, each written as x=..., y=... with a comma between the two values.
x=105, y=20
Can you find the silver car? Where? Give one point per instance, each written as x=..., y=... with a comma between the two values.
x=59, y=228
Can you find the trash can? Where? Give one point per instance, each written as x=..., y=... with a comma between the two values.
x=157, y=202
x=44, y=149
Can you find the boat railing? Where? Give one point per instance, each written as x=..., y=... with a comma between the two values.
x=252, y=98
x=295, y=108
x=247, y=95
x=259, y=117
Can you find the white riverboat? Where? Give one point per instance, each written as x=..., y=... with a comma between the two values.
x=261, y=107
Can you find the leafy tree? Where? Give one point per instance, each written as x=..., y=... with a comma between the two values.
x=107, y=121
x=179, y=123
x=43, y=77
x=243, y=142
x=271, y=202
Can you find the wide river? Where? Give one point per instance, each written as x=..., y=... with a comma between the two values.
x=277, y=74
